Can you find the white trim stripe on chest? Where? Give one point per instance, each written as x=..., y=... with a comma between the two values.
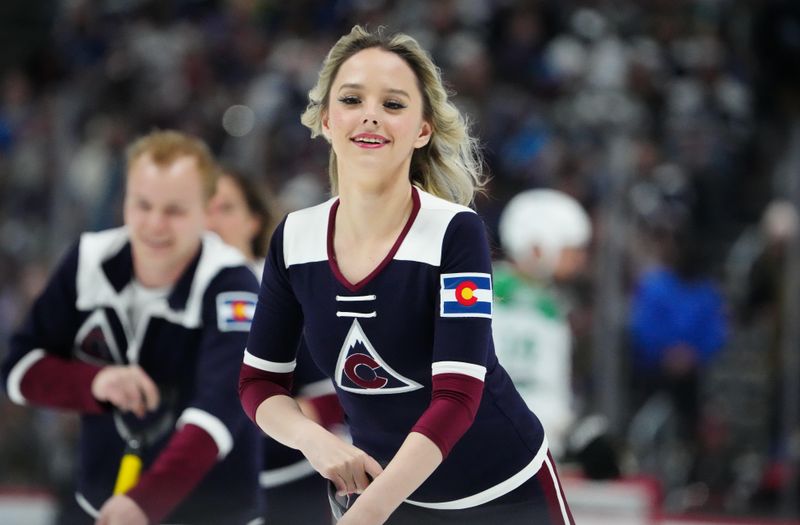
x=347, y=298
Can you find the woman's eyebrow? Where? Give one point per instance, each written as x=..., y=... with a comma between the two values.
x=350, y=86
x=395, y=91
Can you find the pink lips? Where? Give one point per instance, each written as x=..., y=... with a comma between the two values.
x=369, y=140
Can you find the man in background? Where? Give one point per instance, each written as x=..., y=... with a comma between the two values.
x=141, y=330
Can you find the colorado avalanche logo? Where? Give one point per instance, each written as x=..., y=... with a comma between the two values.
x=361, y=369
x=94, y=342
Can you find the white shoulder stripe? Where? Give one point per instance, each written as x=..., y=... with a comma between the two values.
x=305, y=235
x=18, y=372
x=268, y=366
x=423, y=243
x=459, y=367
x=211, y=424
x=432, y=202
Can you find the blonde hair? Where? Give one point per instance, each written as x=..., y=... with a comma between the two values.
x=166, y=146
x=450, y=166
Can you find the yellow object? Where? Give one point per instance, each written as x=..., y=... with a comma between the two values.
x=128, y=476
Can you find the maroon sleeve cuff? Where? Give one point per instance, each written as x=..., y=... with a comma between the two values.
x=328, y=409
x=454, y=403
x=187, y=458
x=61, y=383
x=255, y=386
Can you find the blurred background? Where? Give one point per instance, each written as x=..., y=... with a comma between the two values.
x=675, y=123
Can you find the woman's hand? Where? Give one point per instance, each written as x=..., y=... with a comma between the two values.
x=349, y=468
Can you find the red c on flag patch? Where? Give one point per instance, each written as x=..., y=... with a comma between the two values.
x=465, y=293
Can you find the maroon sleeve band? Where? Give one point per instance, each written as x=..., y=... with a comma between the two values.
x=61, y=383
x=328, y=409
x=454, y=403
x=189, y=455
x=255, y=386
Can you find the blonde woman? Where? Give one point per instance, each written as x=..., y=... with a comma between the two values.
x=389, y=283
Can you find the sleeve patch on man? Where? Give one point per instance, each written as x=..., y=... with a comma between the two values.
x=235, y=311
x=466, y=295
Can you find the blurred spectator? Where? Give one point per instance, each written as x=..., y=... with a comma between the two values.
x=678, y=325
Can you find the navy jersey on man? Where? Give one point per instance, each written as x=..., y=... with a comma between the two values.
x=422, y=318
x=189, y=340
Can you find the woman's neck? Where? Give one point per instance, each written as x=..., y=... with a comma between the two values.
x=373, y=214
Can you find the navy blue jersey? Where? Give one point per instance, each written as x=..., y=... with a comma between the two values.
x=423, y=313
x=189, y=342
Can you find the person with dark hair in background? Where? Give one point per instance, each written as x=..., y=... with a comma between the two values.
x=141, y=329
x=293, y=491
x=240, y=214
x=389, y=284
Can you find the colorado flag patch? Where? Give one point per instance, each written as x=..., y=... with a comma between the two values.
x=235, y=311
x=466, y=295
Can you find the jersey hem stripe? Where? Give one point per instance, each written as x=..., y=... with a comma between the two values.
x=502, y=488
x=280, y=476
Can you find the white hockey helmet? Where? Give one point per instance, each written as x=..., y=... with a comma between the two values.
x=548, y=219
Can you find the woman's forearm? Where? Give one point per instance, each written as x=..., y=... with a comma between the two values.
x=414, y=462
x=281, y=419
x=345, y=465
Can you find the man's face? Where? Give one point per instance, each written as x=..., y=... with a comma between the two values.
x=165, y=214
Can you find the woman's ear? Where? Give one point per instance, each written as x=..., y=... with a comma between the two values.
x=326, y=130
x=425, y=133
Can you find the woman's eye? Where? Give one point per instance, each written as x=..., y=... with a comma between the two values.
x=392, y=104
x=349, y=100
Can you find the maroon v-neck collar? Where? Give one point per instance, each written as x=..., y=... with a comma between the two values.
x=386, y=260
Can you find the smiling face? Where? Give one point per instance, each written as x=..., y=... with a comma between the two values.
x=374, y=119
x=165, y=215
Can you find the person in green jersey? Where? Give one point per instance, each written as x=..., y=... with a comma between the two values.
x=545, y=235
